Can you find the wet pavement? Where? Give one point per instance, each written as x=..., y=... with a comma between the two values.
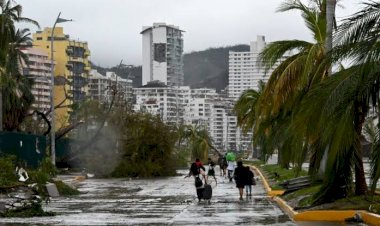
x=164, y=201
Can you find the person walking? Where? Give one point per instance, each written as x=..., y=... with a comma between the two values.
x=240, y=177
x=220, y=163
x=197, y=170
x=249, y=181
x=231, y=168
x=211, y=170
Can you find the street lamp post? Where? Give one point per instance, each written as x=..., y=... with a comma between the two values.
x=52, y=132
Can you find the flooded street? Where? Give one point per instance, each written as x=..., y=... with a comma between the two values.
x=164, y=201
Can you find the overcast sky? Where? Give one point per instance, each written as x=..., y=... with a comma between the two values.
x=112, y=27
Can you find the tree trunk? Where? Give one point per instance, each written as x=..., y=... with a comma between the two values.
x=330, y=17
x=360, y=182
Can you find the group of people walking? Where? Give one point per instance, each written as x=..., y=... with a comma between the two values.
x=243, y=176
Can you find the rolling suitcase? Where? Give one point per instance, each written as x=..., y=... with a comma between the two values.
x=207, y=192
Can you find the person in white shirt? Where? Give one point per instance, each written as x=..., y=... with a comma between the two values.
x=230, y=168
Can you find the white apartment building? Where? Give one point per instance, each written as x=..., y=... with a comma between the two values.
x=38, y=69
x=160, y=99
x=162, y=50
x=198, y=110
x=176, y=105
x=244, y=72
x=224, y=130
x=218, y=125
x=101, y=87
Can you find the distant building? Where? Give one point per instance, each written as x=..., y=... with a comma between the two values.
x=244, y=72
x=162, y=50
x=101, y=87
x=166, y=101
x=71, y=70
x=182, y=105
x=39, y=70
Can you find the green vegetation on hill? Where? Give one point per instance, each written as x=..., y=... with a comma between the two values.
x=209, y=68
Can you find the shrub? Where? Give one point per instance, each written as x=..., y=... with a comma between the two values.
x=7, y=171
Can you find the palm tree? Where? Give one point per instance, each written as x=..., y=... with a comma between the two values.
x=199, y=140
x=18, y=97
x=9, y=16
x=246, y=107
x=356, y=87
x=298, y=66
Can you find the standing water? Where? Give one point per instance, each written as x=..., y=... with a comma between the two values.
x=163, y=201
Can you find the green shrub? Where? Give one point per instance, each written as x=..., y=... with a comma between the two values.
x=7, y=171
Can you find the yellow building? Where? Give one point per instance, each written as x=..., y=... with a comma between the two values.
x=72, y=63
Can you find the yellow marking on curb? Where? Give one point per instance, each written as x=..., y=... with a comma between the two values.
x=371, y=218
x=285, y=207
x=276, y=192
x=316, y=215
x=269, y=190
x=325, y=215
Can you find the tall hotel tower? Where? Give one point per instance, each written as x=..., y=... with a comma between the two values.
x=162, y=54
x=244, y=71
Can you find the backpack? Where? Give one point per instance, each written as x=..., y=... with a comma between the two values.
x=198, y=181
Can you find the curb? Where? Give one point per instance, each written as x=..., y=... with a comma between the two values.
x=269, y=190
x=315, y=215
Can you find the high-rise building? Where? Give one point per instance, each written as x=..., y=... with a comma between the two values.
x=39, y=70
x=71, y=70
x=162, y=50
x=244, y=72
x=205, y=107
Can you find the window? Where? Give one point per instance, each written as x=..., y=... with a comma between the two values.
x=39, y=38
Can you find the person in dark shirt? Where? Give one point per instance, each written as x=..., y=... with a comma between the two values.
x=249, y=181
x=197, y=170
x=223, y=165
x=240, y=177
x=211, y=170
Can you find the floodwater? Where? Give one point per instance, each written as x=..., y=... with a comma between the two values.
x=163, y=201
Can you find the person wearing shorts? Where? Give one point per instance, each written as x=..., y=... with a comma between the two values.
x=211, y=169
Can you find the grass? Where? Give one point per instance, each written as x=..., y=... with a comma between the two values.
x=275, y=174
x=302, y=199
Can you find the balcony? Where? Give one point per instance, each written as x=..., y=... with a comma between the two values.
x=87, y=68
x=76, y=59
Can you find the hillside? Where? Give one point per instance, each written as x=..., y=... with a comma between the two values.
x=207, y=68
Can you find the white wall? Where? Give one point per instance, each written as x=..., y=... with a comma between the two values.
x=159, y=69
x=146, y=57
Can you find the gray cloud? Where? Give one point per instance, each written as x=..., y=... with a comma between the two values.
x=112, y=27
